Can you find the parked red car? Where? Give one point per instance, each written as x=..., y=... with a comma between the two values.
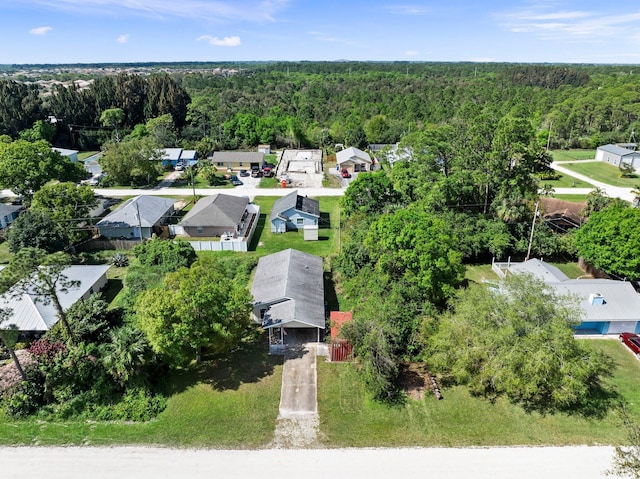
x=632, y=341
x=345, y=174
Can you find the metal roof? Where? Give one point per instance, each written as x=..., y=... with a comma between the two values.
x=8, y=209
x=151, y=209
x=217, y=210
x=291, y=284
x=294, y=201
x=621, y=302
x=65, y=151
x=30, y=313
x=354, y=154
x=171, y=154
x=539, y=269
x=616, y=150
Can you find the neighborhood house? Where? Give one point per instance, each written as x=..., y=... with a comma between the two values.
x=294, y=212
x=608, y=306
x=237, y=160
x=31, y=313
x=136, y=218
x=217, y=215
x=288, y=293
x=353, y=160
x=8, y=213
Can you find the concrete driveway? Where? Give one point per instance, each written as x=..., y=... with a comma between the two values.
x=297, y=423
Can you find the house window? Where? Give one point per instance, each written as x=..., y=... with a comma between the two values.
x=220, y=163
x=200, y=229
x=240, y=163
x=299, y=221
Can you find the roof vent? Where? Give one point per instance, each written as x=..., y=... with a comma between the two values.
x=596, y=299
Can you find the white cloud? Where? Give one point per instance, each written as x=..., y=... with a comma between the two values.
x=570, y=25
x=257, y=11
x=40, y=30
x=123, y=38
x=221, y=42
x=407, y=10
x=411, y=53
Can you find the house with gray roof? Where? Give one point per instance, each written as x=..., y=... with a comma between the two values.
x=8, y=213
x=294, y=212
x=616, y=156
x=608, y=306
x=353, y=160
x=71, y=154
x=237, y=160
x=29, y=312
x=288, y=294
x=215, y=216
x=136, y=218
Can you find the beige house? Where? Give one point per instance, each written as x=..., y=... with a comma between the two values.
x=353, y=160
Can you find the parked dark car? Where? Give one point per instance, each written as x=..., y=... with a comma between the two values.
x=235, y=181
x=632, y=341
x=255, y=172
x=345, y=174
x=244, y=173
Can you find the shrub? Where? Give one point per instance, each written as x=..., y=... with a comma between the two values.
x=120, y=260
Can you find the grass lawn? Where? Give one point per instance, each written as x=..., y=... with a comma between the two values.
x=603, y=172
x=573, y=155
x=5, y=254
x=571, y=269
x=270, y=182
x=265, y=242
x=350, y=418
x=83, y=155
x=566, y=181
x=575, y=198
x=479, y=272
x=231, y=402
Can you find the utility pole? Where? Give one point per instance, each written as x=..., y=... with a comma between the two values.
x=533, y=226
x=139, y=222
x=549, y=136
x=193, y=184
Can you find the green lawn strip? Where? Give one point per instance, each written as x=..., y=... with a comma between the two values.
x=230, y=403
x=350, y=418
x=327, y=245
x=480, y=272
x=5, y=254
x=565, y=181
x=574, y=198
x=573, y=155
x=270, y=182
x=83, y=155
x=571, y=269
x=602, y=172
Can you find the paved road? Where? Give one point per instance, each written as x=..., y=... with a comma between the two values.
x=612, y=191
x=579, y=462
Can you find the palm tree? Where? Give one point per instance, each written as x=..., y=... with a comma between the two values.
x=126, y=354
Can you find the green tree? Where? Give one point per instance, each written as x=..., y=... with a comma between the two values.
x=41, y=130
x=417, y=248
x=134, y=161
x=517, y=342
x=162, y=130
x=168, y=255
x=198, y=307
x=610, y=241
x=113, y=118
x=26, y=167
x=37, y=229
x=9, y=336
x=126, y=353
x=369, y=193
x=67, y=204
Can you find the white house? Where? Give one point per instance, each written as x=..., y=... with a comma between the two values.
x=29, y=312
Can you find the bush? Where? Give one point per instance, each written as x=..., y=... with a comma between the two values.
x=137, y=404
x=120, y=260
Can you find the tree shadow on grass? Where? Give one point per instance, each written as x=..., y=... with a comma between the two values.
x=596, y=405
x=248, y=364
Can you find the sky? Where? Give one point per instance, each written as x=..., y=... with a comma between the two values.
x=97, y=31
